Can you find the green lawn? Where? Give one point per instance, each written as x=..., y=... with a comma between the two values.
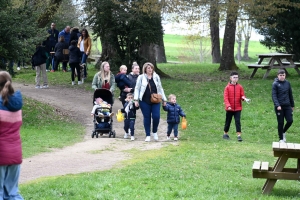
x=203, y=165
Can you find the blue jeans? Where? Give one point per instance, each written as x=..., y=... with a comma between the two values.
x=150, y=110
x=9, y=178
x=83, y=60
x=129, y=124
x=170, y=127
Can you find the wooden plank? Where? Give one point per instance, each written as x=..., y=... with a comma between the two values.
x=275, y=145
x=256, y=166
x=290, y=145
x=264, y=166
x=297, y=146
x=283, y=145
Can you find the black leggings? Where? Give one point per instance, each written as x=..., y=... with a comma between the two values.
x=237, y=118
x=73, y=67
x=287, y=113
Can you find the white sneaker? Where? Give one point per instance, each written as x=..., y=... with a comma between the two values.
x=284, y=137
x=82, y=80
x=132, y=138
x=79, y=82
x=125, y=136
x=281, y=141
x=73, y=82
x=45, y=86
x=155, y=136
x=175, y=138
x=168, y=137
x=147, y=139
x=37, y=87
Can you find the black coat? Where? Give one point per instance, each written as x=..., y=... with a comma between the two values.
x=39, y=57
x=74, y=36
x=74, y=54
x=282, y=94
x=132, y=112
x=59, y=50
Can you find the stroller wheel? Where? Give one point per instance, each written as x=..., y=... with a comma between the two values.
x=109, y=135
x=114, y=134
x=93, y=134
x=97, y=135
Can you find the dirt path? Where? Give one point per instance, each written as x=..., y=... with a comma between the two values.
x=92, y=154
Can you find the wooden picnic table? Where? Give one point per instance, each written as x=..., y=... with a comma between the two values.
x=276, y=61
x=283, y=151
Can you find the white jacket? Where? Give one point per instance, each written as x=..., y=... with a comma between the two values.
x=142, y=84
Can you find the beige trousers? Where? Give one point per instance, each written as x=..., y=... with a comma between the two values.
x=41, y=69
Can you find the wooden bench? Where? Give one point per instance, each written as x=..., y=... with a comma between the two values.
x=257, y=66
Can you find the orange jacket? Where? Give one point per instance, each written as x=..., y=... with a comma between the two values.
x=87, y=44
x=233, y=96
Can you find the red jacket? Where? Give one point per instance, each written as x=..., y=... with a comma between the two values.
x=233, y=96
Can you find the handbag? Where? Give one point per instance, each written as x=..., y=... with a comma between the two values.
x=155, y=98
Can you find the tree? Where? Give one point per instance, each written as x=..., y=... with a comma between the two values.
x=215, y=31
x=227, y=59
x=281, y=29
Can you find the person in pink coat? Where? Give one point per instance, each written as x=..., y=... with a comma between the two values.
x=10, y=141
x=233, y=97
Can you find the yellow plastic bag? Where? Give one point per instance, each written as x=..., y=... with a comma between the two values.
x=120, y=116
x=183, y=123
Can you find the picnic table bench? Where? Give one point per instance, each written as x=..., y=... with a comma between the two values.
x=277, y=61
x=283, y=151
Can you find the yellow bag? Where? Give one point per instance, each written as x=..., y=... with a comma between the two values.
x=120, y=116
x=183, y=123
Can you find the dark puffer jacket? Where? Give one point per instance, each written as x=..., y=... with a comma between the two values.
x=59, y=47
x=122, y=81
x=282, y=94
x=132, y=112
x=74, y=54
x=174, y=111
x=39, y=57
x=132, y=77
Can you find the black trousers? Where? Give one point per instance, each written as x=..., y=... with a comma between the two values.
x=73, y=67
x=286, y=113
x=129, y=124
x=237, y=118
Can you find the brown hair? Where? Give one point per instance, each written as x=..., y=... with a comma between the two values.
x=61, y=39
x=6, y=88
x=146, y=65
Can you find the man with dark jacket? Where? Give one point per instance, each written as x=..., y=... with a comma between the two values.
x=282, y=96
x=53, y=37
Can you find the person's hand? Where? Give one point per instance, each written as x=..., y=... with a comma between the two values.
x=87, y=53
x=229, y=108
x=279, y=108
x=247, y=100
x=164, y=103
x=136, y=103
x=127, y=89
x=292, y=108
x=92, y=114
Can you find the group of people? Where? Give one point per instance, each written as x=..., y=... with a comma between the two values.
x=68, y=46
x=135, y=93
x=282, y=97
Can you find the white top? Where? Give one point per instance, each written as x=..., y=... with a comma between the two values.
x=81, y=45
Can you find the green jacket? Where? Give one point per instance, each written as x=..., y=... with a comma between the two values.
x=96, y=84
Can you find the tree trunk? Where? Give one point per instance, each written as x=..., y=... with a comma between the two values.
x=246, y=47
x=50, y=11
x=160, y=51
x=247, y=35
x=148, y=54
x=227, y=60
x=214, y=31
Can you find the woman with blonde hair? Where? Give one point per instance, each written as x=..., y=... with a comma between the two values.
x=10, y=140
x=104, y=78
x=147, y=83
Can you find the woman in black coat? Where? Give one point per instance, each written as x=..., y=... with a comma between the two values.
x=74, y=60
x=59, y=56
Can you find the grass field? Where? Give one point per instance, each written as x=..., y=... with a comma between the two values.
x=203, y=165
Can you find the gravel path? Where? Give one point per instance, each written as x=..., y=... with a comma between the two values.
x=92, y=154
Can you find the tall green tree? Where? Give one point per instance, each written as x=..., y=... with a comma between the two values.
x=281, y=29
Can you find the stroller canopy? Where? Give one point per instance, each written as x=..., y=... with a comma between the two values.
x=104, y=94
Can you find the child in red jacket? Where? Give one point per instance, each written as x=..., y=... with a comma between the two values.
x=233, y=97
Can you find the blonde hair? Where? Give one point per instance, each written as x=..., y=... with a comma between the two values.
x=6, y=88
x=146, y=65
x=134, y=64
x=123, y=67
x=170, y=96
x=104, y=75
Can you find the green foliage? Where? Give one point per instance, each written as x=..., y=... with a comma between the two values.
x=281, y=29
x=19, y=32
x=123, y=29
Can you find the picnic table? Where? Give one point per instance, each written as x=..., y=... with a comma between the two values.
x=276, y=61
x=283, y=151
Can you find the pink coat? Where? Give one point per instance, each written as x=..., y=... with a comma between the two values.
x=233, y=96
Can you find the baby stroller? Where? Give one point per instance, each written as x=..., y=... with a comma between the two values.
x=103, y=124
